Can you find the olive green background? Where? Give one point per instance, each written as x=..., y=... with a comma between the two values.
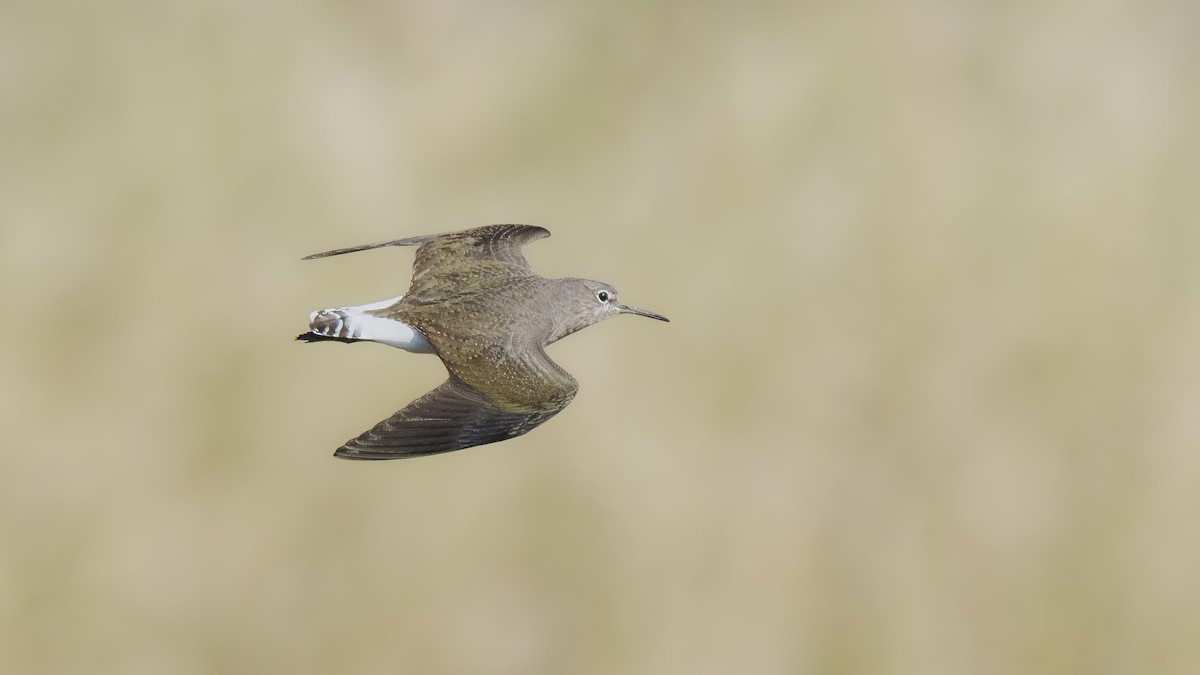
x=927, y=404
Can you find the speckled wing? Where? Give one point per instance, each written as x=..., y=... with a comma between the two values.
x=498, y=243
x=458, y=262
x=506, y=400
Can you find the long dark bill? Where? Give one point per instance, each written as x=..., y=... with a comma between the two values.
x=630, y=309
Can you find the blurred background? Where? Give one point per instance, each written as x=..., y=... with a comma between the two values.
x=927, y=403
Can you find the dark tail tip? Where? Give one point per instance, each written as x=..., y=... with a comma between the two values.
x=314, y=337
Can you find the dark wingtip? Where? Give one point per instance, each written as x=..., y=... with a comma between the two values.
x=341, y=251
x=525, y=232
x=409, y=241
x=357, y=456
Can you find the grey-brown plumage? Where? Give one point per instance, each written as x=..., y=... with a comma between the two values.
x=475, y=301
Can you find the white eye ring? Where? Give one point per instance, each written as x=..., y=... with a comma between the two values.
x=603, y=296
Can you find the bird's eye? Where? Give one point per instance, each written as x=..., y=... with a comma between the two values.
x=603, y=296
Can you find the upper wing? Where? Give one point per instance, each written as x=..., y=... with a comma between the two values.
x=453, y=262
x=501, y=243
x=459, y=262
x=498, y=243
x=458, y=415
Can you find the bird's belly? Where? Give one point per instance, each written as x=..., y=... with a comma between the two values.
x=392, y=332
x=358, y=323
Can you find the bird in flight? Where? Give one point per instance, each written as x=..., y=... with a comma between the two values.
x=473, y=301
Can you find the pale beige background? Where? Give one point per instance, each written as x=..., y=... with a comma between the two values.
x=928, y=402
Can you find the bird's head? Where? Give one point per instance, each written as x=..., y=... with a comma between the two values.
x=591, y=302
